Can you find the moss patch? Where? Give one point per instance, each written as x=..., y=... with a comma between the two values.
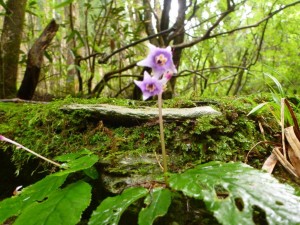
x=49, y=131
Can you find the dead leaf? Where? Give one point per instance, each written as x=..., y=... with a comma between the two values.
x=270, y=163
x=294, y=160
x=293, y=140
x=287, y=165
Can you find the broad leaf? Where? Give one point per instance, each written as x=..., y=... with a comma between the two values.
x=81, y=163
x=36, y=192
x=231, y=191
x=62, y=207
x=111, y=209
x=92, y=172
x=158, y=203
x=72, y=156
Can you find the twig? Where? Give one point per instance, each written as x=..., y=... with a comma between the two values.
x=162, y=139
x=2, y=138
x=282, y=127
x=107, y=57
x=258, y=143
x=157, y=159
x=223, y=15
x=289, y=167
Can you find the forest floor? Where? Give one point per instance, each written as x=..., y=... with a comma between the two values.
x=129, y=151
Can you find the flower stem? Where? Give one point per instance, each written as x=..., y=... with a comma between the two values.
x=2, y=138
x=162, y=138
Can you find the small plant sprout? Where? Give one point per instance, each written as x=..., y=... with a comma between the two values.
x=2, y=138
x=161, y=62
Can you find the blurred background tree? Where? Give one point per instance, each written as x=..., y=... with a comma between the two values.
x=220, y=47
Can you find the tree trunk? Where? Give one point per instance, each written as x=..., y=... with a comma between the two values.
x=35, y=61
x=10, y=47
x=70, y=50
x=165, y=20
x=178, y=38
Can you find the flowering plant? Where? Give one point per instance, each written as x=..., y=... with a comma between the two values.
x=161, y=62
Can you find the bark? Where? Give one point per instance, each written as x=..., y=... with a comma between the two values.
x=165, y=20
x=35, y=61
x=178, y=39
x=71, y=50
x=148, y=22
x=10, y=47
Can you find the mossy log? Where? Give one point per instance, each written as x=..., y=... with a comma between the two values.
x=126, y=115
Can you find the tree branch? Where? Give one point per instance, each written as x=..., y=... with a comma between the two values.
x=107, y=57
x=99, y=87
x=207, y=35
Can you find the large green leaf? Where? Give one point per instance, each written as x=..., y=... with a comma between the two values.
x=42, y=189
x=62, y=207
x=111, y=209
x=232, y=191
x=68, y=157
x=158, y=202
x=81, y=163
x=36, y=192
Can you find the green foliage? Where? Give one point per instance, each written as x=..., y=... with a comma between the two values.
x=158, y=202
x=276, y=105
x=231, y=190
x=46, y=199
x=61, y=207
x=82, y=163
x=34, y=193
x=211, y=66
x=111, y=209
x=44, y=127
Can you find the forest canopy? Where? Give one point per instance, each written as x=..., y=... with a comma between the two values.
x=226, y=47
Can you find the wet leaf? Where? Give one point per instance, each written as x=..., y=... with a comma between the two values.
x=111, y=208
x=158, y=203
x=72, y=156
x=61, y=207
x=35, y=192
x=79, y=164
x=246, y=189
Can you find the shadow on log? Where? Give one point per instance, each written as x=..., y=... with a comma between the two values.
x=35, y=61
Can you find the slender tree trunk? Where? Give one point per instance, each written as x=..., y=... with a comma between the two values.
x=71, y=50
x=35, y=61
x=178, y=38
x=148, y=22
x=10, y=47
x=165, y=20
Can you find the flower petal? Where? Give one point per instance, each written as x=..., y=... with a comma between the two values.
x=159, y=60
x=150, y=86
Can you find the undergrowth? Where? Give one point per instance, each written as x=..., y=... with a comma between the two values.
x=121, y=162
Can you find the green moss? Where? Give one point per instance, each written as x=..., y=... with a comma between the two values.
x=50, y=131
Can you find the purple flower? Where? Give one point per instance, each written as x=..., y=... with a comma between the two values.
x=167, y=75
x=150, y=86
x=160, y=60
